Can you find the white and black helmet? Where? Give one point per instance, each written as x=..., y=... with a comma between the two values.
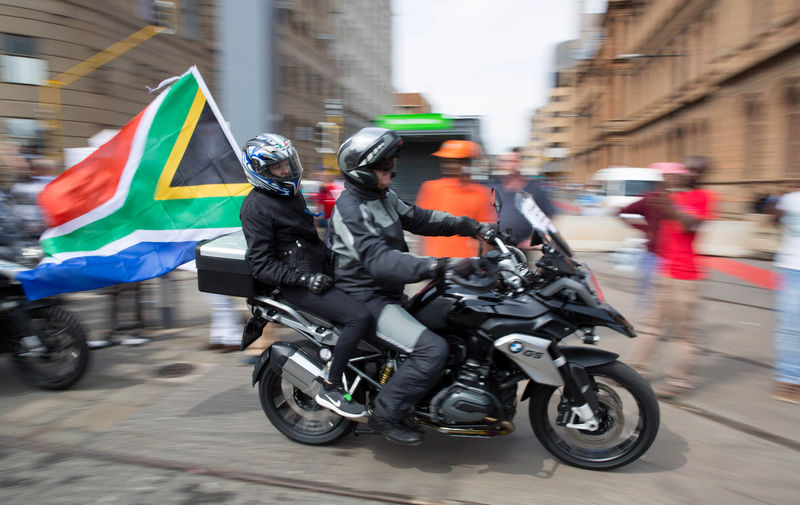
x=367, y=149
x=265, y=151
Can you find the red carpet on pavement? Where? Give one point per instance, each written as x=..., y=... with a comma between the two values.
x=757, y=276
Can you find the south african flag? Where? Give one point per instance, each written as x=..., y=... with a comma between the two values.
x=136, y=208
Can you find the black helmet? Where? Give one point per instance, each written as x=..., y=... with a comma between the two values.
x=365, y=150
x=265, y=151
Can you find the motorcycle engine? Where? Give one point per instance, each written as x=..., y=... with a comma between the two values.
x=465, y=401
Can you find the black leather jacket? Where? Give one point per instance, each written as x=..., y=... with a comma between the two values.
x=282, y=242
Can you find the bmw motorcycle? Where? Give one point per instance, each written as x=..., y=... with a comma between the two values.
x=507, y=328
x=47, y=343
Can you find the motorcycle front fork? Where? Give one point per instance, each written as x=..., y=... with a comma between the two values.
x=579, y=406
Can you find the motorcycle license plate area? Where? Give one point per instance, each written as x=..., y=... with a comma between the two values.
x=222, y=267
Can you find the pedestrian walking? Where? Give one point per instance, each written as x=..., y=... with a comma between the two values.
x=512, y=183
x=786, y=336
x=225, y=332
x=684, y=206
x=646, y=215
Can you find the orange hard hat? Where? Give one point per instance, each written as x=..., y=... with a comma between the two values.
x=458, y=149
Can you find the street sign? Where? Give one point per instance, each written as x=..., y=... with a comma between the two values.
x=414, y=122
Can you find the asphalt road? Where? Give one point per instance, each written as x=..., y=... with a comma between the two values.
x=129, y=433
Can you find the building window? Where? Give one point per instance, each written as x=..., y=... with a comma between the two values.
x=754, y=126
x=22, y=128
x=190, y=20
x=792, y=168
x=18, y=66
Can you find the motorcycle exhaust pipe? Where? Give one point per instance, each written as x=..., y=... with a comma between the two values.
x=302, y=370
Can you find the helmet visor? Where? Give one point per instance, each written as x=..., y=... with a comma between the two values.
x=287, y=169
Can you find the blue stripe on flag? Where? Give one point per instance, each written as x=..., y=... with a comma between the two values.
x=144, y=260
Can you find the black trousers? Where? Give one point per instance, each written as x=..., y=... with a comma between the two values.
x=337, y=306
x=426, y=353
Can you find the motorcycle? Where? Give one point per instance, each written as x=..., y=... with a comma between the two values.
x=47, y=343
x=587, y=408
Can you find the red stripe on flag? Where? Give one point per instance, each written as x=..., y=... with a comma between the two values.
x=91, y=182
x=758, y=276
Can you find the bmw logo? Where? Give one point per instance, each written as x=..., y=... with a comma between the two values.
x=515, y=347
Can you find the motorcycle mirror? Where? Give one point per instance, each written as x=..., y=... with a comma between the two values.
x=497, y=203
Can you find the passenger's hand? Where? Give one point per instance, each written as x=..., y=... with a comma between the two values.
x=316, y=283
x=487, y=232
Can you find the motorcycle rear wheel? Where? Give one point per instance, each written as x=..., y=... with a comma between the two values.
x=628, y=424
x=67, y=353
x=297, y=415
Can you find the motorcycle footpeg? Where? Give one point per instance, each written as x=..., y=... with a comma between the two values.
x=252, y=331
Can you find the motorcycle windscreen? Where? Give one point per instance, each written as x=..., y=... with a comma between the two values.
x=544, y=229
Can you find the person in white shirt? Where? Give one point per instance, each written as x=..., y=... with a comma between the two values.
x=786, y=338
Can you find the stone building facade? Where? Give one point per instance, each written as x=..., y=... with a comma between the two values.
x=674, y=78
x=43, y=39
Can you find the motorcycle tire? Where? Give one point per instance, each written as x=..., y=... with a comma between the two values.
x=297, y=415
x=629, y=420
x=67, y=352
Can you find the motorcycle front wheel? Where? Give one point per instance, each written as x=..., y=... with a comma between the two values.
x=629, y=420
x=297, y=415
x=65, y=354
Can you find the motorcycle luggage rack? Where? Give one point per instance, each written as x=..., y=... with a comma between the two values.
x=277, y=312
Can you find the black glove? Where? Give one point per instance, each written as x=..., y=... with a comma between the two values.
x=316, y=283
x=462, y=267
x=466, y=226
x=487, y=232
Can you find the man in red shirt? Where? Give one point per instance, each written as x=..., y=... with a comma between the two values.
x=683, y=206
x=456, y=194
x=650, y=210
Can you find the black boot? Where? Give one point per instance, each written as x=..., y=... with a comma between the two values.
x=394, y=431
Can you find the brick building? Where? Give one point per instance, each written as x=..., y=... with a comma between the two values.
x=673, y=78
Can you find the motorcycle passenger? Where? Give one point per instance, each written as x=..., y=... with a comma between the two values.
x=373, y=265
x=284, y=250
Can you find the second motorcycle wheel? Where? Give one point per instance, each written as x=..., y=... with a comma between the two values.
x=297, y=415
x=65, y=354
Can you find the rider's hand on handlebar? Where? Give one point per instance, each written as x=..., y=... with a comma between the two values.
x=486, y=231
x=316, y=283
x=466, y=226
x=462, y=267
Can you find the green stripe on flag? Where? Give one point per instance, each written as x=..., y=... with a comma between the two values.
x=140, y=211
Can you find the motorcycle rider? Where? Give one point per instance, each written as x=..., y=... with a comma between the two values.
x=373, y=264
x=284, y=249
